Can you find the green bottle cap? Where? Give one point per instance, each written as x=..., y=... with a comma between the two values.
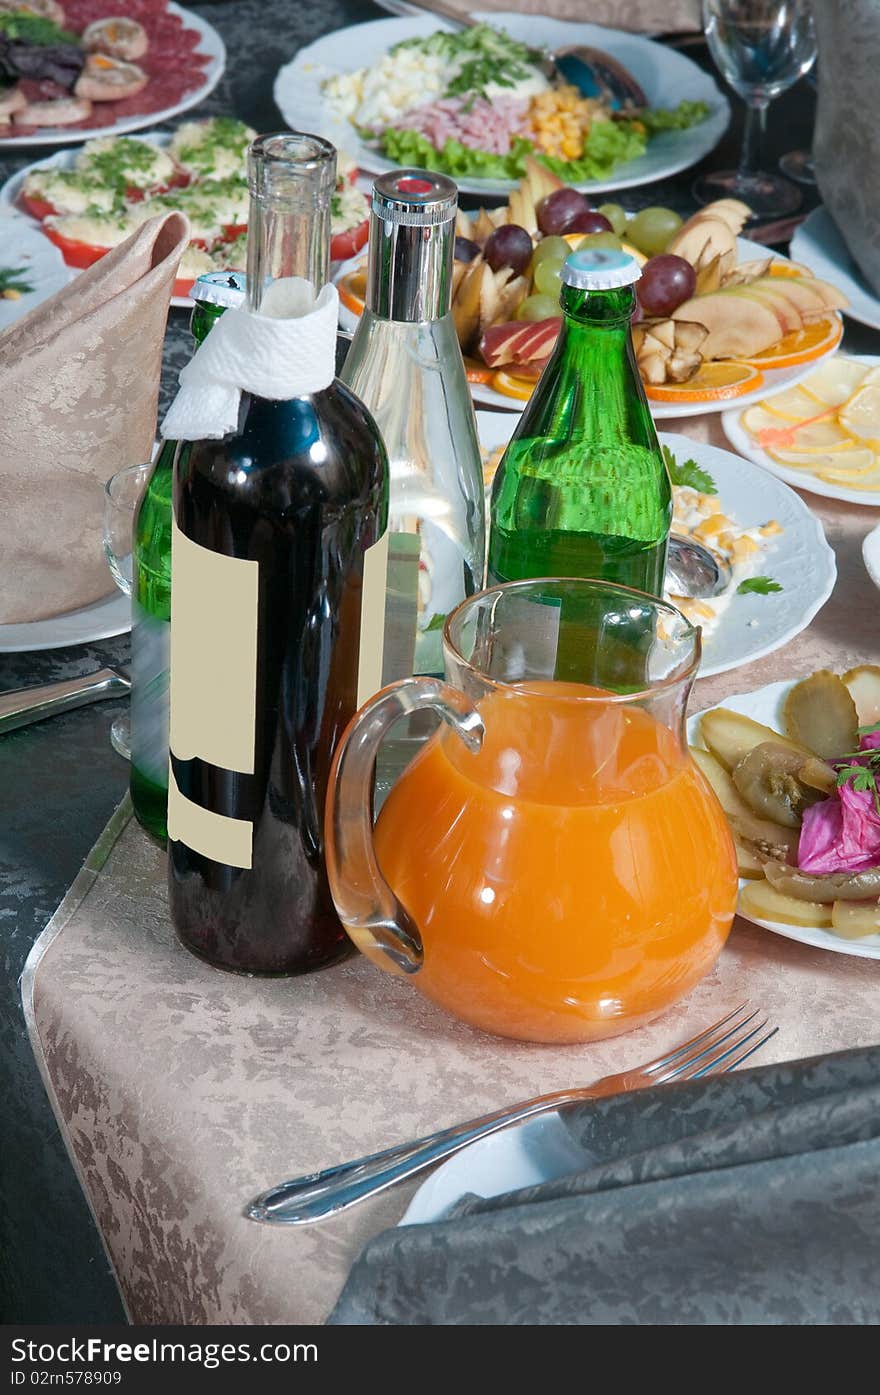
x=599, y=269
x=226, y=288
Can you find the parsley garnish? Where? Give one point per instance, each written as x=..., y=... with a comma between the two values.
x=10, y=280
x=689, y=475
x=758, y=586
x=436, y=622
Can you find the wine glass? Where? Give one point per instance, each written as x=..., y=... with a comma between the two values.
x=122, y=494
x=760, y=47
x=798, y=164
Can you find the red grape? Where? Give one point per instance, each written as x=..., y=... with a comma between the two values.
x=589, y=222
x=558, y=209
x=509, y=245
x=465, y=250
x=667, y=282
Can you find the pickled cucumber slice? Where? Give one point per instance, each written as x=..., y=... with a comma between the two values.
x=730, y=736
x=756, y=839
x=763, y=902
x=820, y=713
x=853, y=920
x=863, y=684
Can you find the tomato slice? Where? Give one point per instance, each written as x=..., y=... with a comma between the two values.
x=346, y=244
x=37, y=207
x=78, y=254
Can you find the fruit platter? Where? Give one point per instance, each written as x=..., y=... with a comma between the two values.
x=72, y=68
x=475, y=104
x=822, y=435
x=795, y=766
x=89, y=200
x=713, y=322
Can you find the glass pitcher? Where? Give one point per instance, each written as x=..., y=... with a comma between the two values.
x=551, y=866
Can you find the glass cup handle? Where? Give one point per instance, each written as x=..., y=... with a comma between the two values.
x=378, y=923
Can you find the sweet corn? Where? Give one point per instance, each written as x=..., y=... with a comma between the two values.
x=710, y=526
x=770, y=529
x=561, y=119
x=744, y=547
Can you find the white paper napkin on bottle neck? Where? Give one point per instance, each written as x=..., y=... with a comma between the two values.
x=285, y=349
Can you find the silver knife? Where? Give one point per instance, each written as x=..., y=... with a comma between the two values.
x=21, y=706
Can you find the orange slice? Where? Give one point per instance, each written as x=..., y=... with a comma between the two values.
x=351, y=288
x=714, y=382
x=789, y=269
x=510, y=386
x=476, y=372
x=802, y=345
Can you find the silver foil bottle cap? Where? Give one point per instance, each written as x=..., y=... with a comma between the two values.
x=412, y=242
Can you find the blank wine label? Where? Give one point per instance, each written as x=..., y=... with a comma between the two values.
x=372, y=643
x=223, y=839
x=214, y=620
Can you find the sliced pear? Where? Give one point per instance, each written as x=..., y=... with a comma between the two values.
x=863, y=684
x=540, y=180
x=730, y=736
x=522, y=208
x=483, y=226
x=466, y=304
x=820, y=713
x=763, y=902
x=853, y=920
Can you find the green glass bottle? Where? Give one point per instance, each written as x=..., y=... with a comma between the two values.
x=151, y=594
x=582, y=489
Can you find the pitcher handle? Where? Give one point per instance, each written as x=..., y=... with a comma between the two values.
x=378, y=923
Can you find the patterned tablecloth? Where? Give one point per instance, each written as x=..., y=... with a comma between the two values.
x=181, y=1091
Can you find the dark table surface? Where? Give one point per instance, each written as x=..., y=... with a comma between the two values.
x=60, y=780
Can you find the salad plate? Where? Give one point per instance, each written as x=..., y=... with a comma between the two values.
x=169, y=90
x=765, y=705
x=819, y=245
x=30, y=265
x=667, y=78
x=746, y=444
x=744, y=626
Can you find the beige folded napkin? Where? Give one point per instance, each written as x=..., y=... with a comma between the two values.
x=649, y=16
x=80, y=383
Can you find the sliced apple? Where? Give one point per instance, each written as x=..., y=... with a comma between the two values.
x=737, y=324
x=790, y=318
x=466, y=304
x=540, y=180
x=522, y=208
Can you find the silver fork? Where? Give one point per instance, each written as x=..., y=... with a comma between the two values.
x=321, y=1194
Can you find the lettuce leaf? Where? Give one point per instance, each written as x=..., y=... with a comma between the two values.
x=609, y=144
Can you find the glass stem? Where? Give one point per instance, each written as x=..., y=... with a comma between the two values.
x=753, y=135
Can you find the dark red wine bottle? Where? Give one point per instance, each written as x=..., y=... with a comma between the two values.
x=278, y=577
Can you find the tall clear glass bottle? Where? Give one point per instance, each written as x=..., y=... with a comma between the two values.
x=582, y=489
x=278, y=570
x=406, y=366
x=151, y=593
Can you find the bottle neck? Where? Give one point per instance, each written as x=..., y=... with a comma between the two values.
x=204, y=318
x=598, y=310
x=292, y=178
x=409, y=274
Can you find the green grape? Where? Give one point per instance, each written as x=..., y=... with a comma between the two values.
x=593, y=240
x=556, y=248
x=652, y=230
x=538, y=307
x=546, y=276
x=616, y=217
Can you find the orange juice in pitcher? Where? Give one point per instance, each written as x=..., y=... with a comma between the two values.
x=551, y=866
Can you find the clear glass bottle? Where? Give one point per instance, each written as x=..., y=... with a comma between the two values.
x=278, y=569
x=582, y=489
x=405, y=364
x=151, y=593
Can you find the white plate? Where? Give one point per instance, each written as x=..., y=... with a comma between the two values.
x=105, y=618
x=210, y=43
x=775, y=380
x=800, y=479
x=871, y=555
x=65, y=160
x=799, y=558
x=765, y=705
x=667, y=78
x=23, y=245
x=819, y=245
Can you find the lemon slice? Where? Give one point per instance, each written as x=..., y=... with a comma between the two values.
x=870, y=483
x=794, y=404
x=835, y=380
x=763, y=418
x=847, y=464
x=861, y=414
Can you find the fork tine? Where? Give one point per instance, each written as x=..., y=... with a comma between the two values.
x=699, y=1040
x=713, y=1059
x=744, y=1055
x=733, y=1035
